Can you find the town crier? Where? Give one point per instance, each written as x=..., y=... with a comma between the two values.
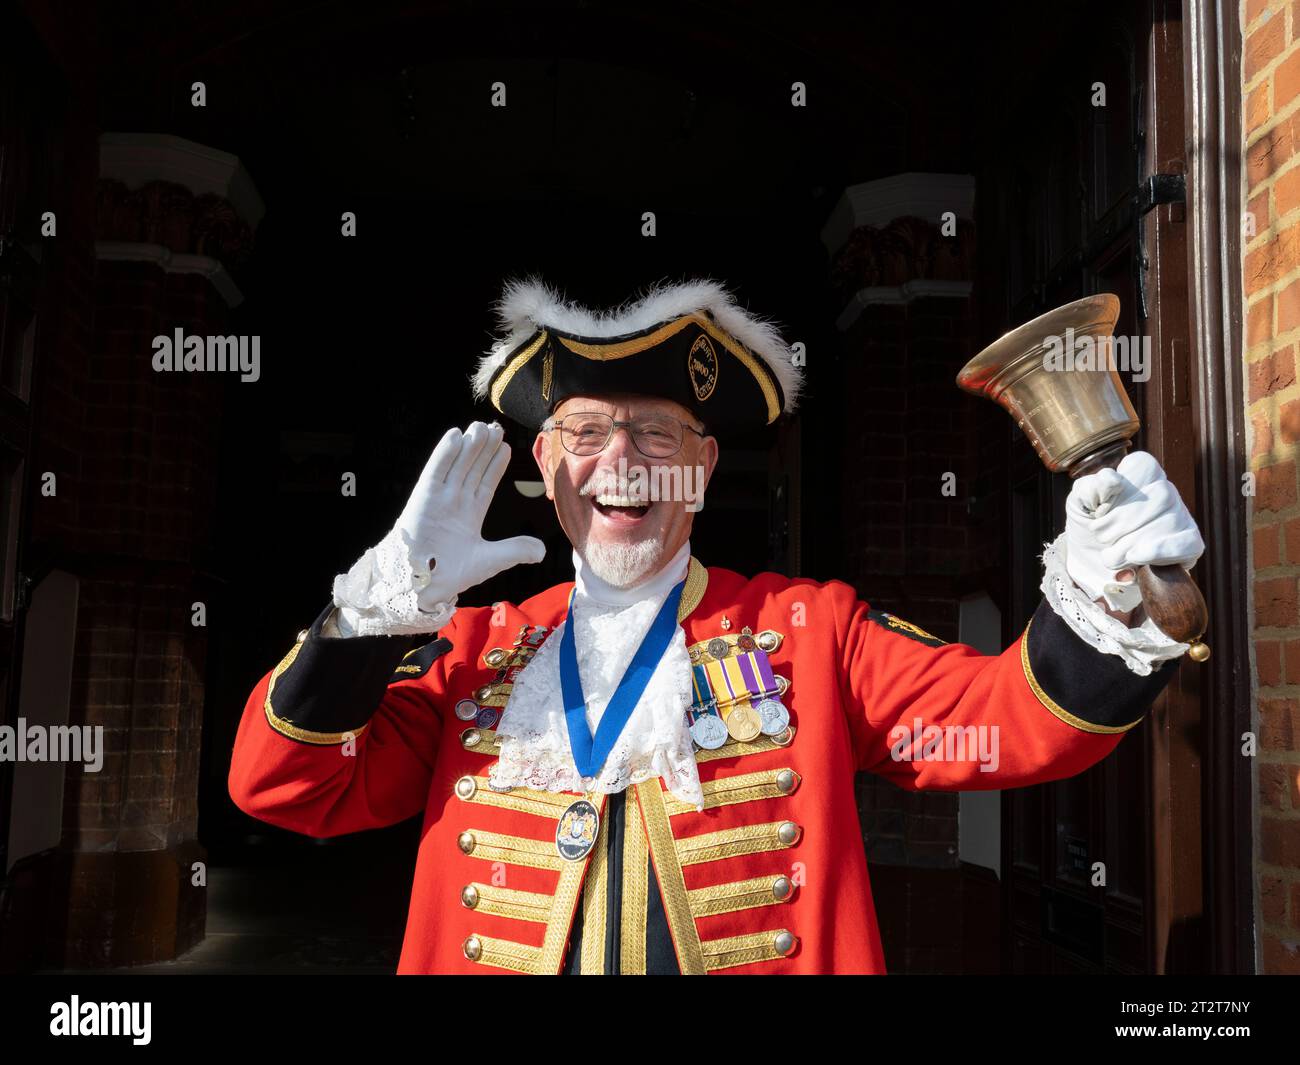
x=649, y=768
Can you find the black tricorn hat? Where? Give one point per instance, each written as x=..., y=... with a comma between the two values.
x=689, y=342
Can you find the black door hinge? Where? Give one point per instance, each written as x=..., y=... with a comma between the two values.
x=1159, y=189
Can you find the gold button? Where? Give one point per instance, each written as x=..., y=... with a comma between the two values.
x=768, y=640
x=302, y=635
x=789, y=833
x=470, y=738
x=465, y=787
x=482, y=693
x=466, y=841
x=782, y=888
x=784, y=943
x=783, y=738
x=495, y=657
x=473, y=948
x=469, y=896
x=786, y=781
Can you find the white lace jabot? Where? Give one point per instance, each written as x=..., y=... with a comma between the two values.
x=656, y=742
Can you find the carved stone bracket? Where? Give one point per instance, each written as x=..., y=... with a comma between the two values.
x=167, y=214
x=186, y=206
x=900, y=238
x=905, y=250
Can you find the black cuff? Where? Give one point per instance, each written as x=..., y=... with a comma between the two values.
x=327, y=688
x=1083, y=686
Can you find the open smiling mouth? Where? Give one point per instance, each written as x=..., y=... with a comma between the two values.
x=620, y=510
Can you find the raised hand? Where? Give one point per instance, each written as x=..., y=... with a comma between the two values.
x=409, y=581
x=1117, y=520
x=443, y=519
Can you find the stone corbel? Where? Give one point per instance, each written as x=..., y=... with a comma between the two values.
x=888, y=244
x=185, y=206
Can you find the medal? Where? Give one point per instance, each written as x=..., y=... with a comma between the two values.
x=743, y=722
x=745, y=641
x=487, y=717
x=709, y=731
x=467, y=709
x=575, y=834
x=706, y=726
x=744, y=687
x=773, y=715
x=719, y=648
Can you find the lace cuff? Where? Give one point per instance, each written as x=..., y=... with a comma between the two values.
x=1142, y=648
x=379, y=595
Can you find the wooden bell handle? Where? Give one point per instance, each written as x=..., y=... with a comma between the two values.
x=1169, y=594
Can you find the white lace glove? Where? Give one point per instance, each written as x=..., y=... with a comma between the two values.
x=409, y=581
x=1119, y=519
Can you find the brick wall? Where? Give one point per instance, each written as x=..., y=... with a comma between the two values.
x=134, y=452
x=1271, y=282
x=907, y=547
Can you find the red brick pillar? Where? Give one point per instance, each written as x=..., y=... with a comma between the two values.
x=175, y=221
x=1271, y=283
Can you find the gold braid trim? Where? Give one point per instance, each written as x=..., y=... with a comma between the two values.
x=730, y=843
x=740, y=950
x=733, y=749
x=595, y=901
x=287, y=728
x=504, y=954
x=747, y=787
x=672, y=885
x=566, y=901
x=515, y=850
x=507, y=902
x=1055, y=707
x=516, y=364
x=549, y=956
x=697, y=579
x=739, y=895
x=636, y=895
x=521, y=800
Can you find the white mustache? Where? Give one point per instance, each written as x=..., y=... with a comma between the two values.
x=606, y=482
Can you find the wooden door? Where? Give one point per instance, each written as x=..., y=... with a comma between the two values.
x=1086, y=198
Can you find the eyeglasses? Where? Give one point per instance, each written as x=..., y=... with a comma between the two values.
x=656, y=436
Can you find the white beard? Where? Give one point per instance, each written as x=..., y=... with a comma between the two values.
x=623, y=565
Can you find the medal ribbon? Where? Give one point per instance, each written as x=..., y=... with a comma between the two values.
x=589, y=753
x=757, y=671
x=704, y=702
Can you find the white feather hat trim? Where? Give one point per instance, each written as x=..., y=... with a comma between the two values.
x=530, y=304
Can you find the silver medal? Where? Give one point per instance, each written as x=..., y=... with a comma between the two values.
x=709, y=731
x=773, y=715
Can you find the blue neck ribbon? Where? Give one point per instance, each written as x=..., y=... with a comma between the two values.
x=589, y=753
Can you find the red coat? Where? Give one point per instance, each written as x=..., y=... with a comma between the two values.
x=770, y=878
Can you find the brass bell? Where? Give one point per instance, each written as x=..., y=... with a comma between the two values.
x=1066, y=415
x=1056, y=375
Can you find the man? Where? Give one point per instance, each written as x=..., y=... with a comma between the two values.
x=650, y=769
